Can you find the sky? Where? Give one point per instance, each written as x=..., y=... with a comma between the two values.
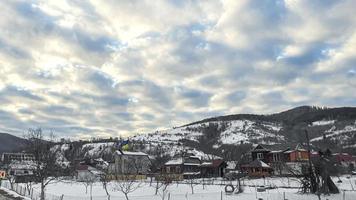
x=120, y=67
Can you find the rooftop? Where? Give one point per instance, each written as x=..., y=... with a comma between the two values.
x=131, y=153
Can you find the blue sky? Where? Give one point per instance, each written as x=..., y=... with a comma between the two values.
x=111, y=68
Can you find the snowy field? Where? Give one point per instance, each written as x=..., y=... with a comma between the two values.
x=286, y=187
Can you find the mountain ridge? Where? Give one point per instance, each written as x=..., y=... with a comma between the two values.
x=333, y=128
x=10, y=143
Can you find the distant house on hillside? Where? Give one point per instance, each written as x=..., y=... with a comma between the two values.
x=346, y=161
x=129, y=163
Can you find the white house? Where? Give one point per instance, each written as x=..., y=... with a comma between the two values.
x=128, y=162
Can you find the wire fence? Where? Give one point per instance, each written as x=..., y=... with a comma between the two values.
x=250, y=193
x=345, y=195
x=26, y=192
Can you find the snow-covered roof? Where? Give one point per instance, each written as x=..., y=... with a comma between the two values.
x=206, y=164
x=231, y=164
x=192, y=164
x=131, y=153
x=257, y=163
x=177, y=161
x=29, y=165
x=191, y=173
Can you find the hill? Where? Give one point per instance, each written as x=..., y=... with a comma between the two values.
x=229, y=136
x=10, y=143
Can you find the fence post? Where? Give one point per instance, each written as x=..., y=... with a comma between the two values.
x=284, y=195
x=221, y=194
x=32, y=193
x=343, y=195
x=169, y=196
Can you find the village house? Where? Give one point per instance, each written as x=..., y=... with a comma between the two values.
x=214, y=168
x=257, y=168
x=296, y=161
x=186, y=166
x=277, y=162
x=88, y=173
x=345, y=160
x=260, y=153
x=19, y=165
x=7, y=158
x=129, y=163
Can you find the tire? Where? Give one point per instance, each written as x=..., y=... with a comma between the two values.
x=229, y=188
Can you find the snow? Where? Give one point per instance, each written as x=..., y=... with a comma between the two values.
x=182, y=191
x=96, y=148
x=332, y=132
x=323, y=122
x=263, y=164
x=243, y=130
x=231, y=164
x=236, y=131
x=177, y=161
x=14, y=194
x=131, y=153
x=29, y=165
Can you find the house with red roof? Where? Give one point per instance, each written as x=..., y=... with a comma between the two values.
x=213, y=168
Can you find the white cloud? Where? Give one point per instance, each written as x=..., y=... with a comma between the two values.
x=89, y=68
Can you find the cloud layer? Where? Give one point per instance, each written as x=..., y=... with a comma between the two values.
x=94, y=68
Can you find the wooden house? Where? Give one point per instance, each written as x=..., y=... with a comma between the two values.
x=214, y=168
x=185, y=166
x=297, y=155
x=260, y=153
x=257, y=168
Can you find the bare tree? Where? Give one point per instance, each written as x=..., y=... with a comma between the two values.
x=29, y=185
x=127, y=184
x=11, y=179
x=162, y=182
x=47, y=169
x=192, y=183
x=104, y=181
x=88, y=180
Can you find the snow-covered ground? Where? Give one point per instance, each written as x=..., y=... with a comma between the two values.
x=323, y=122
x=76, y=191
x=13, y=194
x=242, y=130
x=236, y=131
x=339, y=134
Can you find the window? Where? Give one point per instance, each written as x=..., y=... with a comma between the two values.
x=276, y=157
x=299, y=155
x=259, y=156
